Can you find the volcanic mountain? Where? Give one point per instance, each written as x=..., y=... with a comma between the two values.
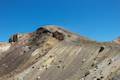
x=53, y=53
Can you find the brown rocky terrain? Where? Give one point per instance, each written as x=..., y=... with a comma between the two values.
x=53, y=53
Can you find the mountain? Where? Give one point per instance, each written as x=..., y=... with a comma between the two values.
x=53, y=53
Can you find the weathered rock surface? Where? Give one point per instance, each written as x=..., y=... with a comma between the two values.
x=52, y=53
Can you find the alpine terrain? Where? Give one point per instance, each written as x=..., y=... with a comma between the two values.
x=53, y=53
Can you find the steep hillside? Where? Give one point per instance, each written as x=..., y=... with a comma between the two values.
x=53, y=53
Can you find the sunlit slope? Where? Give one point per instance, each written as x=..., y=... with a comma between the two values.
x=68, y=61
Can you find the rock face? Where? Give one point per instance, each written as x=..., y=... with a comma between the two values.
x=52, y=53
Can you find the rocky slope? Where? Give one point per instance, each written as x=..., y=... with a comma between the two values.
x=52, y=53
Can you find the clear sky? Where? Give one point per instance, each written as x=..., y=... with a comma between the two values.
x=97, y=19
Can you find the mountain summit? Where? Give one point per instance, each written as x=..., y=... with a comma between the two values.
x=53, y=53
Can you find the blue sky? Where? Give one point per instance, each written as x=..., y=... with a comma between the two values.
x=96, y=19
